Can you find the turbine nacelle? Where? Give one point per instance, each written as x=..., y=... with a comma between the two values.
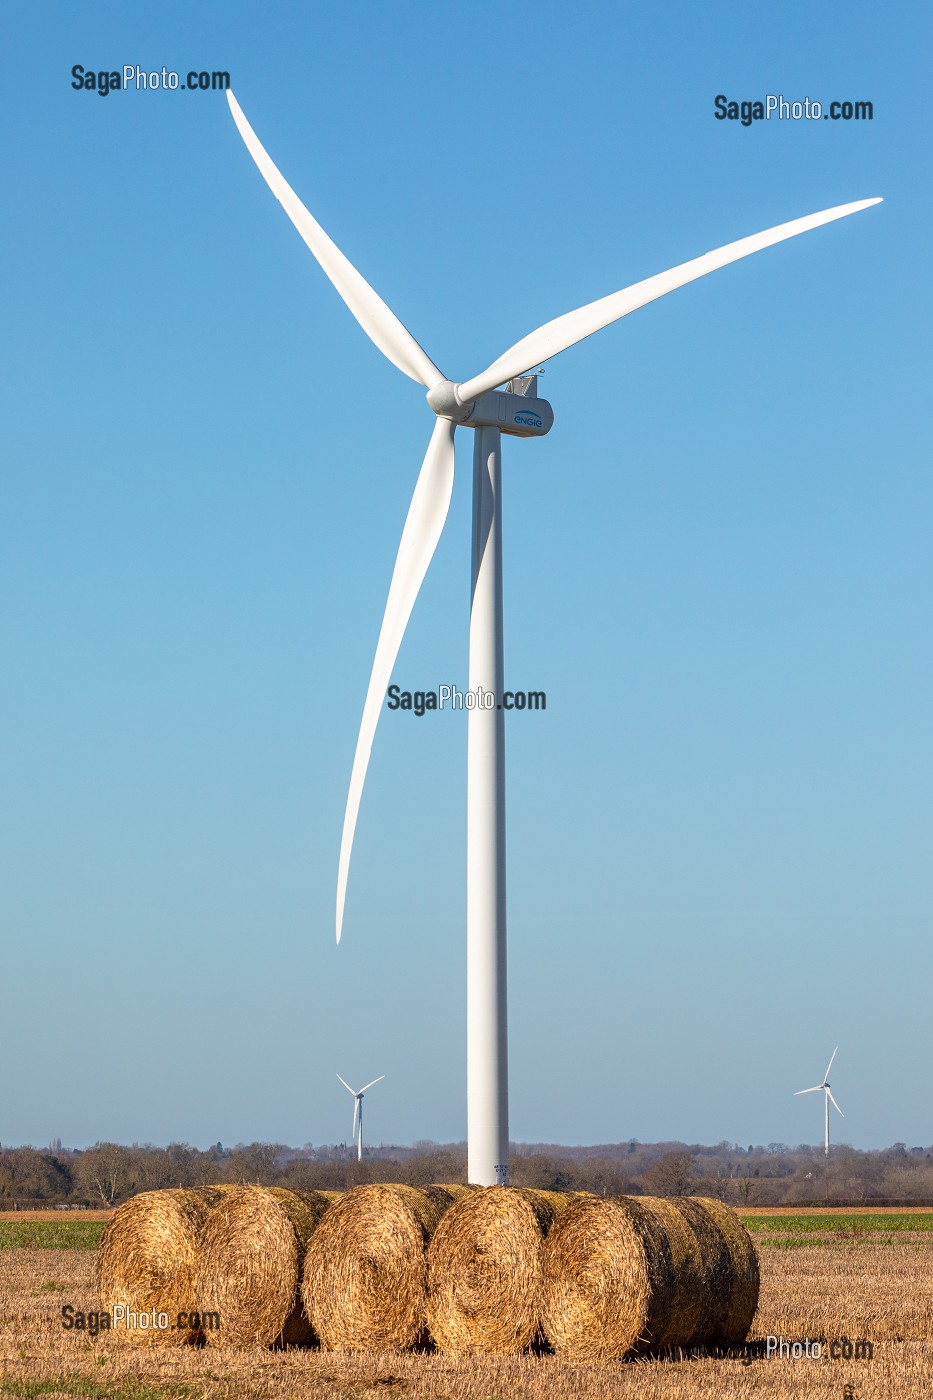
x=517, y=414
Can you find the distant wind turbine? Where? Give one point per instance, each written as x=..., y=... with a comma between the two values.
x=824, y=1085
x=358, y=1112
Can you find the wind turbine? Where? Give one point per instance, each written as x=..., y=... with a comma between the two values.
x=358, y=1112
x=477, y=403
x=827, y=1096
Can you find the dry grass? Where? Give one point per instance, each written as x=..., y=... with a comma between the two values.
x=852, y=1289
x=846, y=1288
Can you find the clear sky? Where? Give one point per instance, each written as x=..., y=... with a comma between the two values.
x=717, y=566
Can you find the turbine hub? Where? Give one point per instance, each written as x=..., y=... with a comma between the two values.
x=517, y=414
x=446, y=403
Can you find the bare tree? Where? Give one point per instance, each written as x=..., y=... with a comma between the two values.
x=104, y=1172
x=670, y=1175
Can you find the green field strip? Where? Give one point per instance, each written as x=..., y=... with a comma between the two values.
x=51, y=1234
x=912, y=1223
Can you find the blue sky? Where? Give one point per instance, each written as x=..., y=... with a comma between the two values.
x=717, y=566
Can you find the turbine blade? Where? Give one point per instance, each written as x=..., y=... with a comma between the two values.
x=557, y=335
x=834, y=1104
x=356, y=1110
x=830, y=1065
x=359, y=1140
x=371, y=1083
x=814, y=1090
x=382, y=326
x=345, y=1084
x=426, y=516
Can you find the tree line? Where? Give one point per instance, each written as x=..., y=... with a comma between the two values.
x=108, y=1173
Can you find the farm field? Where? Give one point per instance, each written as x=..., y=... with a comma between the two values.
x=14, y=1216
x=827, y=1212
x=826, y=1275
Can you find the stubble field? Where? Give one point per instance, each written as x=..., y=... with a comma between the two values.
x=857, y=1276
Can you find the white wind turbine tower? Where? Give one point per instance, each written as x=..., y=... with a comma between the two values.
x=827, y=1096
x=358, y=1111
x=479, y=404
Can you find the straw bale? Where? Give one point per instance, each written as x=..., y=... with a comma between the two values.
x=147, y=1260
x=484, y=1270
x=610, y=1285
x=364, y=1276
x=716, y=1271
x=688, y=1303
x=250, y=1265
x=740, y=1303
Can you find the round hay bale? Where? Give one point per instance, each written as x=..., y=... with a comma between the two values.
x=364, y=1275
x=717, y=1272
x=147, y=1262
x=484, y=1270
x=250, y=1264
x=737, y=1313
x=609, y=1280
x=688, y=1301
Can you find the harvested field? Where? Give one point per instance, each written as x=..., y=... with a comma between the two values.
x=67, y=1216
x=845, y=1288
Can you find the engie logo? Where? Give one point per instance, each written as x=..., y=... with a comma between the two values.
x=528, y=420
